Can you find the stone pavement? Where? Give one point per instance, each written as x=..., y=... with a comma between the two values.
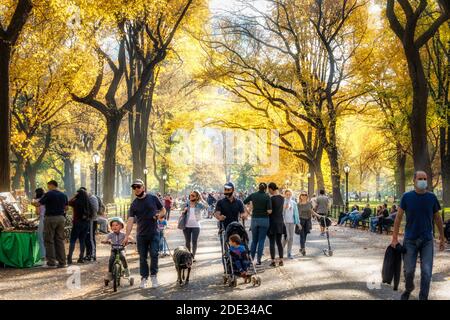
x=353, y=272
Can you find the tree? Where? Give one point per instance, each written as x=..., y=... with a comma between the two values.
x=413, y=36
x=291, y=60
x=160, y=26
x=8, y=39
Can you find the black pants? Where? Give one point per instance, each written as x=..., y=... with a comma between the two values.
x=275, y=238
x=112, y=259
x=90, y=240
x=167, y=213
x=191, y=234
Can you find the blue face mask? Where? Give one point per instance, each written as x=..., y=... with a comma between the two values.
x=422, y=184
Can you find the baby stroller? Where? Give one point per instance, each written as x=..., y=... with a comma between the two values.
x=230, y=273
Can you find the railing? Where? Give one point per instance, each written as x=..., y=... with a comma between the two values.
x=117, y=210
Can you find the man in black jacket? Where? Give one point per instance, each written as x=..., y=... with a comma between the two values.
x=392, y=265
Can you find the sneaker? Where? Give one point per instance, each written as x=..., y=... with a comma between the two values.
x=154, y=281
x=60, y=266
x=81, y=260
x=258, y=263
x=273, y=264
x=290, y=256
x=69, y=260
x=322, y=234
x=303, y=252
x=143, y=283
x=50, y=266
x=405, y=295
x=281, y=263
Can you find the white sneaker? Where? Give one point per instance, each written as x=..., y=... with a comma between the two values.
x=154, y=281
x=143, y=283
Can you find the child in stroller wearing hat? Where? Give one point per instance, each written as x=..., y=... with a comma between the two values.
x=115, y=238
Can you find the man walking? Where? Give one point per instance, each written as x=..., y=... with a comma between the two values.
x=146, y=209
x=322, y=205
x=55, y=203
x=421, y=208
x=91, y=245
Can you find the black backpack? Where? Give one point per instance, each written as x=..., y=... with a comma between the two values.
x=447, y=230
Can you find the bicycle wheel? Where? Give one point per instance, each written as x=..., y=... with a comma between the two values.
x=116, y=276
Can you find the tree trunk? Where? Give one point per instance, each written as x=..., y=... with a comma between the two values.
x=69, y=177
x=400, y=177
x=109, y=165
x=444, y=136
x=31, y=173
x=418, y=118
x=83, y=174
x=17, y=178
x=334, y=165
x=5, y=117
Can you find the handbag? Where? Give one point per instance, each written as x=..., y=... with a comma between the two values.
x=182, y=222
x=298, y=229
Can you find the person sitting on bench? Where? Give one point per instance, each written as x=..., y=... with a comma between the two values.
x=351, y=215
x=367, y=212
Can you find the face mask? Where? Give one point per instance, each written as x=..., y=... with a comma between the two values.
x=422, y=184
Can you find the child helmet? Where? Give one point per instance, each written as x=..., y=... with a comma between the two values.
x=117, y=219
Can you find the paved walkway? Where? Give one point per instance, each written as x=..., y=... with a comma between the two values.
x=353, y=272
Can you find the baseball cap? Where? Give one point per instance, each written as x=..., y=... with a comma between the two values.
x=229, y=185
x=137, y=182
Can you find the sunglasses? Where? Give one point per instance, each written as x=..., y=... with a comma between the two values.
x=136, y=187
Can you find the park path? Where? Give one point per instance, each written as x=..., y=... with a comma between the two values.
x=353, y=272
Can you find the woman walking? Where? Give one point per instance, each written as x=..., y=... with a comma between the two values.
x=291, y=219
x=262, y=208
x=39, y=193
x=82, y=213
x=276, y=224
x=193, y=215
x=305, y=211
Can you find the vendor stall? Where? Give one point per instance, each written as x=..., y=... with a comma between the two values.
x=19, y=242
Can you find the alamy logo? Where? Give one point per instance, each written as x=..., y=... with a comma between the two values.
x=212, y=146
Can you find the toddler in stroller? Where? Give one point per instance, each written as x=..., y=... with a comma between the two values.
x=239, y=255
x=236, y=260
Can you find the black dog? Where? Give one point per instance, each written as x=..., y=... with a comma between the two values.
x=183, y=260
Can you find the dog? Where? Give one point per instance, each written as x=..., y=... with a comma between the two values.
x=183, y=260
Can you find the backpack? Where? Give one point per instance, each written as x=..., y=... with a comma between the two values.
x=101, y=206
x=447, y=230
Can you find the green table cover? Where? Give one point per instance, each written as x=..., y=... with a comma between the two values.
x=20, y=249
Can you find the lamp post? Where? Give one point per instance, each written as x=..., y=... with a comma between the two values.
x=96, y=159
x=145, y=176
x=164, y=183
x=346, y=170
x=308, y=175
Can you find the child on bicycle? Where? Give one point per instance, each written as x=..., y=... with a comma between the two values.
x=162, y=225
x=115, y=238
x=239, y=254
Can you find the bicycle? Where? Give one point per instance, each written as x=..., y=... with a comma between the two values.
x=118, y=269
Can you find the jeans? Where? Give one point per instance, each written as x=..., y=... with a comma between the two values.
x=41, y=236
x=424, y=248
x=304, y=232
x=54, y=240
x=350, y=216
x=373, y=224
x=191, y=233
x=290, y=227
x=148, y=244
x=167, y=213
x=90, y=240
x=259, y=232
x=79, y=232
x=162, y=242
x=356, y=220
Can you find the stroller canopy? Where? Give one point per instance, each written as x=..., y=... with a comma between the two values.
x=236, y=228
